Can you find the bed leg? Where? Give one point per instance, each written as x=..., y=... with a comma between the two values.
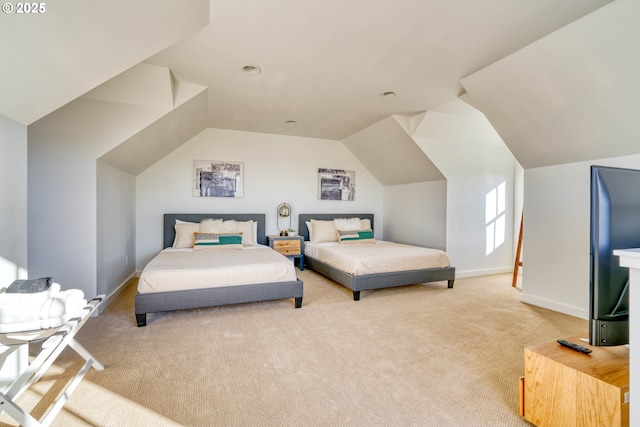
x=141, y=319
x=298, y=302
x=451, y=283
x=356, y=295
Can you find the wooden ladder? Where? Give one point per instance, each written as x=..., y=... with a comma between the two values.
x=518, y=262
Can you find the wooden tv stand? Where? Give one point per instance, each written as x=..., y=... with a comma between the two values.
x=563, y=387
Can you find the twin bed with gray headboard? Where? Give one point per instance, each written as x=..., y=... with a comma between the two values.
x=361, y=282
x=159, y=301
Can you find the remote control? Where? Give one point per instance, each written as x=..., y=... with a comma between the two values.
x=575, y=347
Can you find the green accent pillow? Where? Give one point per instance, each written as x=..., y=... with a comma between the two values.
x=205, y=241
x=356, y=236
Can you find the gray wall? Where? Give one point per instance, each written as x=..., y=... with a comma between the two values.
x=115, y=228
x=416, y=214
x=13, y=201
x=63, y=190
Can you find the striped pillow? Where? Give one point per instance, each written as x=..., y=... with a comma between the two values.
x=356, y=236
x=205, y=241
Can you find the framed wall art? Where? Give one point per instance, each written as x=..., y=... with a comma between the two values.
x=336, y=184
x=213, y=178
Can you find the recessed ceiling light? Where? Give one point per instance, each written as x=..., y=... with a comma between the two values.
x=389, y=94
x=291, y=122
x=251, y=69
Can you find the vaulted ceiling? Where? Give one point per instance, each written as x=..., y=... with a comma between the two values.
x=72, y=46
x=324, y=64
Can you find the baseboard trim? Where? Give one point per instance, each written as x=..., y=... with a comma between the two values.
x=555, y=306
x=112, y=296
x=486, y=272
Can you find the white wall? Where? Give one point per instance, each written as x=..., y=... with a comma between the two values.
x=578, y=102
x=474, y=159
x=556, y=235
x=277, y=168
x=13, y=201
x=417, y=214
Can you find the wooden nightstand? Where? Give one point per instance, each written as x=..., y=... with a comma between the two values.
x=290, y=246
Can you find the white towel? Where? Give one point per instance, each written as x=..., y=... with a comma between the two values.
x=32, y=299
x=41, y=310
x=66, y=303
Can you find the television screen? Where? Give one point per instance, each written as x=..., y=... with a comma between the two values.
x=615, y=224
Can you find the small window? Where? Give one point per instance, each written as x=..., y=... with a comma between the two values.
x=495, y=211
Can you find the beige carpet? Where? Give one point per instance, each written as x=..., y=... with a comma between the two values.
x=421, y=355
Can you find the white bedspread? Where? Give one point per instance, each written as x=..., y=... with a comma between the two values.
x=179, y=269
x=379, y=257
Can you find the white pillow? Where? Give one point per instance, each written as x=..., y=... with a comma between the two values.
x=309, y=229
x=323, y=231
x=211, y=225
x=347, y=224
x=185, y=234
x=230, y=225
x=249, y=230
x=365, y=224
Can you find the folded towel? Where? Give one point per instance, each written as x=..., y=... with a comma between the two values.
x=29, y=286
x=41, y=310
x=66, y=303
x=16, y=303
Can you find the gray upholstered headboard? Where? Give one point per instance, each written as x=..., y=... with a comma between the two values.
x=170, y=221
x=302, y=218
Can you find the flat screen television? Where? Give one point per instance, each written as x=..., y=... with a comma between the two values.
x=615, y=224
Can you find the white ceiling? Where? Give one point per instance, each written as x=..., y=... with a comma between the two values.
x=51, y=58
x=325, y=62
x=324, y=65
x=571, y=96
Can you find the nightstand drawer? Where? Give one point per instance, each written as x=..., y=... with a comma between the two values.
x=287, y=247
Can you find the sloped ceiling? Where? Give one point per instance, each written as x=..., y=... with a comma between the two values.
x=390, y=153
x=546, y=73
x=157, y=140
x=51, y=58
x=457, y=137
x=571, y=96
x=325, y=63
x=182, y=113
x=141, y=85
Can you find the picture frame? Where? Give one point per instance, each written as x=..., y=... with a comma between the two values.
x=336, y=184
x=213, y=178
